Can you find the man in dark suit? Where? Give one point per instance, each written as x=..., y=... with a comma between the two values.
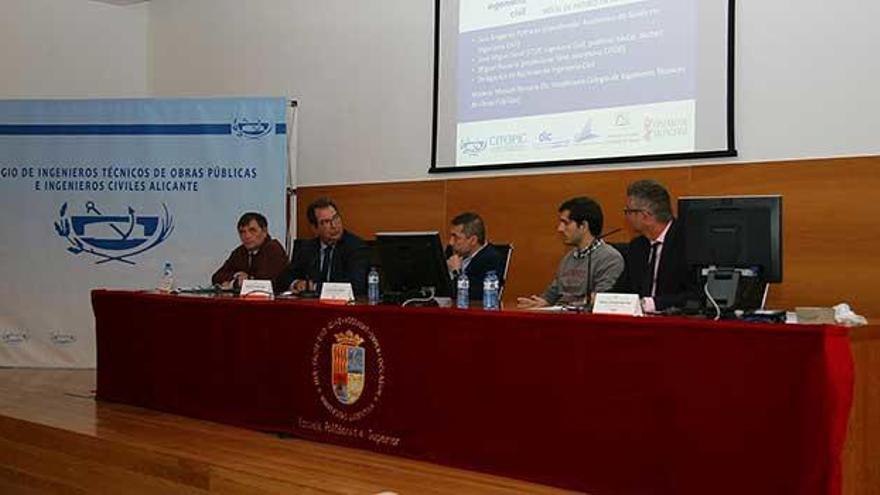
x=333, y=255
x=469, y=253
x=656, y=267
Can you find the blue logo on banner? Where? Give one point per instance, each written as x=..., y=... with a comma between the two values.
x=112, y=237
x=251, y=130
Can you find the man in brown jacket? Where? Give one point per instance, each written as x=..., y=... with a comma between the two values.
x=258, y=257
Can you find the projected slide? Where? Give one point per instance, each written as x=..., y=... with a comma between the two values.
x=547, y=80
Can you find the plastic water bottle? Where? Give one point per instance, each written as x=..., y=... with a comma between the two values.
x=166, y=281
x=496, y=291
x=463, y=295
x=373, y=286
x=490, y=291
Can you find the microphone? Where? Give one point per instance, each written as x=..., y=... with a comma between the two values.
x=251, y=255
x=606, y=234
x=314, y=267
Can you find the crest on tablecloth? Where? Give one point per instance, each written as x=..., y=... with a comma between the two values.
x=348, y=368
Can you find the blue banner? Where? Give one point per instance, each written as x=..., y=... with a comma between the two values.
x=101, y=193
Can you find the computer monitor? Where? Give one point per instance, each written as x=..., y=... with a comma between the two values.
x=741, y=238
x=412, y=261
x=734, y=232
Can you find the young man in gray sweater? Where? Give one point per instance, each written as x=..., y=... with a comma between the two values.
x=591, y=266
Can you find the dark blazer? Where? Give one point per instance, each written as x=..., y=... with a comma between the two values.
x=486, y=260
x=676, y=282
x=350, y=263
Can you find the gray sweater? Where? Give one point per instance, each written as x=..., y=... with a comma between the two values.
x=570, y=283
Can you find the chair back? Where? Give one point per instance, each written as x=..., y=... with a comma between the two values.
x=506, y=251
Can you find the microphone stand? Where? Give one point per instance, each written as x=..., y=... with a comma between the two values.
x=588, y=300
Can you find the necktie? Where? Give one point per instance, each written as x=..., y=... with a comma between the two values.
x=648, y=287
x=326, y=262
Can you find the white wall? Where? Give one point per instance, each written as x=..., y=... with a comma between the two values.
x=361, y=71
x=72, y=48
x=807, y=78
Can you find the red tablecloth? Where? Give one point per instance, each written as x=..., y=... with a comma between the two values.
x=600, y=404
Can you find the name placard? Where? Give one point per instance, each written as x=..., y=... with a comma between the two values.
x=337, y=292
x=609, y=303
x=256, y=289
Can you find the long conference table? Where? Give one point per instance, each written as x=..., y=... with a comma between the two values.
x=602, y=404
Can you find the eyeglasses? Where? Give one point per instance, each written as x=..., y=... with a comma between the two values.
x=329, y=221
x=627, y=211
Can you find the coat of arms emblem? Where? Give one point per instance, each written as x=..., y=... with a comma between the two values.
x=348, y=369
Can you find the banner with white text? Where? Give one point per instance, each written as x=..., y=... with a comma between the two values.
x=102, y=193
